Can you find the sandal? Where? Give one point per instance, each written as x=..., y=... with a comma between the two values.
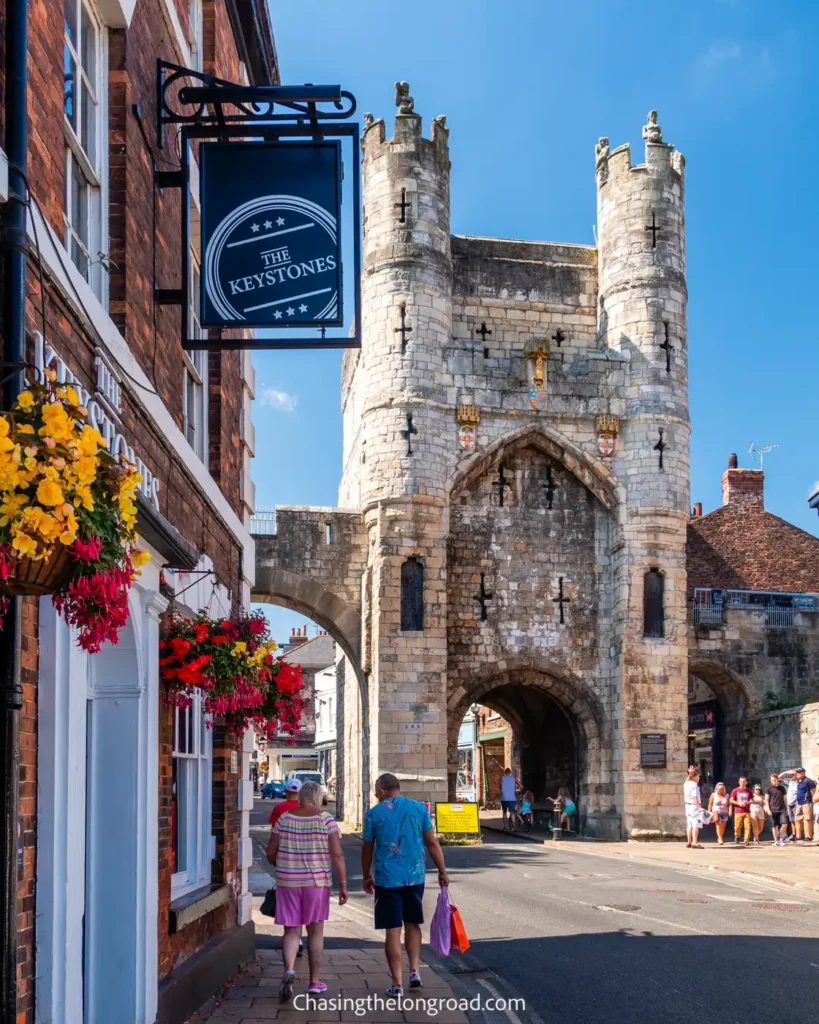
x=697, y=846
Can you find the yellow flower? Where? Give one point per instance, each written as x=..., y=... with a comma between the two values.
x=10, y=507
x=90, y=441
x=49, y=493
x=25, y=428
x=25, y=399
x=140, y=557
x=239, y=648
x=86, y=469
x=6, y=444
x=56, y=423
x=72, y=395
x=22, y=543
x=68, y=538
x=4, y=426
x=84, y=497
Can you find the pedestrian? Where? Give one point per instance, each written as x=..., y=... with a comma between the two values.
x=526, y=807
x=741, y=803
x=303, y=845
x=509, y=798
x=694, y=811
x=720, y=807
x=569, y=809
x=805, y=788
x=290, y=802
x=776, y=804
x=757, y=808
x=396, y=833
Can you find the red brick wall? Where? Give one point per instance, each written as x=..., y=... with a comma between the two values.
x=174, y=949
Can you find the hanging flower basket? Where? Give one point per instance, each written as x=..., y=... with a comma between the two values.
x=35, y=578
x=67, y=513
x=232, y=662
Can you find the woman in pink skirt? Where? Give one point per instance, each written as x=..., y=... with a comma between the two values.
x=303, y=845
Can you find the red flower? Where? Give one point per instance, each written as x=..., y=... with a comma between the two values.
x=221, y=638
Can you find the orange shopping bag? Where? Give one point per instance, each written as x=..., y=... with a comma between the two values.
x=459, y=943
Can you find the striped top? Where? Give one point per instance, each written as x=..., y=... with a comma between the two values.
x=303, y=858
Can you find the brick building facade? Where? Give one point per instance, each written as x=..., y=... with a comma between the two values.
x=120, y=919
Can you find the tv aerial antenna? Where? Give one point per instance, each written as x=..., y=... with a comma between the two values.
x=761, y=450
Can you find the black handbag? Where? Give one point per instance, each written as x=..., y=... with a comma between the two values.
x=268, y=907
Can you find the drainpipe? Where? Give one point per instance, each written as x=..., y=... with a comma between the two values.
x=15, y=248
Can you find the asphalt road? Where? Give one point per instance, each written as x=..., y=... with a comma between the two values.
x=585, y=940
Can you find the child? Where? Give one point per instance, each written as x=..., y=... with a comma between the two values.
x=526, y=808
x=569, y=808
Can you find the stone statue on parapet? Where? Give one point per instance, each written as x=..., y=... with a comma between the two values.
x=369, y=121
x=601, y=156
x=403, y=101
x=652, y=132
x=440, y=120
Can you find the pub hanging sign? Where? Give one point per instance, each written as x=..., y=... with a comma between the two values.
x=271, y=251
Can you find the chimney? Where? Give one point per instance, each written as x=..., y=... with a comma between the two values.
x=697, y=509
x=743, y=487
x=298, y=636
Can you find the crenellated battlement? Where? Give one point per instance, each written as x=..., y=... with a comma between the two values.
x=408, y=134
x=661, y=158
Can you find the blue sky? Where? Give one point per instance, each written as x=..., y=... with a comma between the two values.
x=527, y=88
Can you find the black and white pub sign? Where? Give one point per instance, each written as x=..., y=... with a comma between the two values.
x=271, y=251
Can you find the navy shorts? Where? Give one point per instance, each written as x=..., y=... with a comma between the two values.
x=508, y=805
x=399, y=905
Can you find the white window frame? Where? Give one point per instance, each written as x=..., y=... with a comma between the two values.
x=196, y=34
x=91, y=167
x=194, y=768
x=195, y=372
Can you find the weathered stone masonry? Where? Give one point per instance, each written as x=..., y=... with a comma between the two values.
x=519, y=497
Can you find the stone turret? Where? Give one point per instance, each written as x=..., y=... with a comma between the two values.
x=642, y=314
x=642, y=306
x=406, y=301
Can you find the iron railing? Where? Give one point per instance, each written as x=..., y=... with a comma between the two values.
x=263, y=522
x=779, y=608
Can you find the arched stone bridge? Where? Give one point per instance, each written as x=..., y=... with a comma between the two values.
x=314, y=564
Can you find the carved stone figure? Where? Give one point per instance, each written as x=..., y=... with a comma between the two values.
x=601, y=156
x=403, y=100
x=369, y=121
x=652, y=132
x=440, y=120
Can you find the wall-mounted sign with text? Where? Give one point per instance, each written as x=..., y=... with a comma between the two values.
x=270, y=234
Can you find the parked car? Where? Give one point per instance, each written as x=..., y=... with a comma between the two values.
x=273, y=788
x=308, y=775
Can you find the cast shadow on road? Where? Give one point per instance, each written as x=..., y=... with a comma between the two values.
x=632, y=976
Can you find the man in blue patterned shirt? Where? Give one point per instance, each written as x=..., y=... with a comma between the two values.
x=396, y=833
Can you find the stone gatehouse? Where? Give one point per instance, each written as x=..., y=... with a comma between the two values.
x=514, y=507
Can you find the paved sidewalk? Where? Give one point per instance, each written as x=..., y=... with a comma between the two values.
x=354, y=969
x=793, y=865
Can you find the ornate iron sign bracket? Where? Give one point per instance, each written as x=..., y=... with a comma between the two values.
x=205, y=107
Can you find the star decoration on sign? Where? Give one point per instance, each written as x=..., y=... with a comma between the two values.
x=278, y=314
x=254, y=228
x=268, y=224
x=280, y=221
x=302, y=308
x=290, y=311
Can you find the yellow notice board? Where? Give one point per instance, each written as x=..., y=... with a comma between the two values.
x=462, y=817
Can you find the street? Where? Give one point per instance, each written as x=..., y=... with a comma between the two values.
x=587, y=939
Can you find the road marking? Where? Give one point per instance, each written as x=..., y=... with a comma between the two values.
x=632, y=913
x=510, y=1013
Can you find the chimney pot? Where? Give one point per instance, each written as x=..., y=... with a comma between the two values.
x=733, y=461
x=698, y=508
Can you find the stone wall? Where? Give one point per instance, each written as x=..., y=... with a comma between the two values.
x=782, y=739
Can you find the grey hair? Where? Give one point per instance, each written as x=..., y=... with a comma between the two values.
x=310, y=793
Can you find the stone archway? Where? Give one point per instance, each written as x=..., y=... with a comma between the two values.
x=578, y=723
x=737, y=702
x=318, y=602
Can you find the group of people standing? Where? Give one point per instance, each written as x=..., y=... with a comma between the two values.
x=305, y=847
x=791, y=801
x=514, y=809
